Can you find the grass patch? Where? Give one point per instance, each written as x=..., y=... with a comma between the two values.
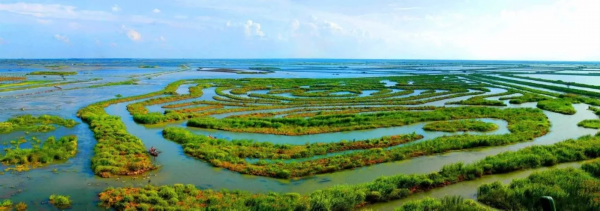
x=571, y=189
x=558, y=105
x=590, y=123
x=118, y=83
x=52, y=73
x=51, y=151
x=60, y=201
x=348, y=197
x=462, y=125
x=43, y=123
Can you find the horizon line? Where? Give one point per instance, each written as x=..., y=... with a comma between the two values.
x=281, y=58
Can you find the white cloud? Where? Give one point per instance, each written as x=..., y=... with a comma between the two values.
x=115, y=8
x=61, y=38
x=162, y=38
x=228, y=23
x=43, y=21
x=156, y=10
x=134, y=35
x=55, y=11
x=253, y=29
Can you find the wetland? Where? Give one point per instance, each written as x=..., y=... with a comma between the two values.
x=377, y=134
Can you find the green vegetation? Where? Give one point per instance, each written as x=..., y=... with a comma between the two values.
x=52, y=73
x=118, y=152
x=349, y=122
x=571, y=189
x=38, y=84
x=590, y=123
x=24, y=83
x=480, y=100
x=51, y=151
x=462, y=125
x=558, y=105
x=448, y=203
x=525, y=124
x=348, y=197
x=60, y=201
x=231, y=155
x=148, y=66
x=141, y=114
x=525, y=98
x=118, y=83
x=43, y=123
x=7, y=205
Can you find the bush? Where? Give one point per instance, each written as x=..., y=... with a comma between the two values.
x=60, y=201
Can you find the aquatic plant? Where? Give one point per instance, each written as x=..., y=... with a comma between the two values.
x=558, y=105
x=461, y=125
x=60, y=201
x=51, y=151
x=118, y=83
x=448, y=203
x=348, y=197
x=336, y=123
x=590, y=123
x=43, y=123
x=52, y=73
x=525, y=124
x=571, y=189
x=148, y=66
x=118, y=152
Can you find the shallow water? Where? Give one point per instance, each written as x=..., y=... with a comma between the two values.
x=591, y=80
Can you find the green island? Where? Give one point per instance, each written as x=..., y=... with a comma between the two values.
x=118, y=83
x=462, y=125
x=590, y=123
x=43, y=123
x=60, y=201
x=52, y=73
x=7, y=204
x=50, y=151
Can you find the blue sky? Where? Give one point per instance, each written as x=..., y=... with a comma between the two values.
x=401, y=29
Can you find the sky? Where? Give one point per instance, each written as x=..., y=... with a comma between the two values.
x=374, y=29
